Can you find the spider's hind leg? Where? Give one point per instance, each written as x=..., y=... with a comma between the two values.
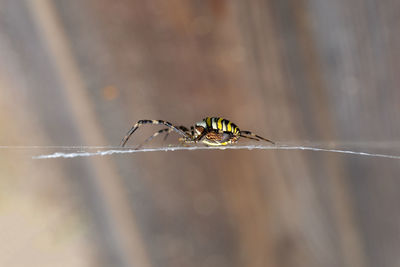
x=248, y=137
x=254, y=136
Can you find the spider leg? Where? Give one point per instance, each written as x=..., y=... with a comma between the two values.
x=254, y=136
x=191, y=134
x=154, y=135
x=167, y=134
x=157, y=122
x=183, y=128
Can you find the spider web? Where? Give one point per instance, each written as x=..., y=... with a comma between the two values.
x=87, y=151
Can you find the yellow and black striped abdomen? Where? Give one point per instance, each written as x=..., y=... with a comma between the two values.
x=221, y=125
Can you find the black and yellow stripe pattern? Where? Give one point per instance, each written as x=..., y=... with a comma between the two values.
x=222, y=125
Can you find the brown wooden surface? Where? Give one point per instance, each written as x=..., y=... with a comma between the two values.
x=81, y=72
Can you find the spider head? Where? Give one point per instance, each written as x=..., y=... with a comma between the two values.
x=199, y=128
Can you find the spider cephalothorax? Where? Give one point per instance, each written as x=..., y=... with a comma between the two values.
x=212, y=131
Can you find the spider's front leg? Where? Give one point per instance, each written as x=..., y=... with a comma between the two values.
x=157, y=122
x=186, y=141
x=183, y=128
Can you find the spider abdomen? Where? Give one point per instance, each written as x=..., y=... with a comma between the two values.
x=219, y=131
x=221, y=125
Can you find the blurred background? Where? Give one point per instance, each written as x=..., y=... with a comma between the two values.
x=80, y=73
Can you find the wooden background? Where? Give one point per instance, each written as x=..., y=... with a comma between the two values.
x=82, y=72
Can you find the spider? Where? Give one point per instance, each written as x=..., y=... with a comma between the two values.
x=212, y=131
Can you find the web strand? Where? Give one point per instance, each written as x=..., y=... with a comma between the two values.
x=82, y=150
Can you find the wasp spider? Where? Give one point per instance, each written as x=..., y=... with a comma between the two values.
x=212, y=131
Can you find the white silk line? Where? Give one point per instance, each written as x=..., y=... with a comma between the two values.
x=181, y=148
